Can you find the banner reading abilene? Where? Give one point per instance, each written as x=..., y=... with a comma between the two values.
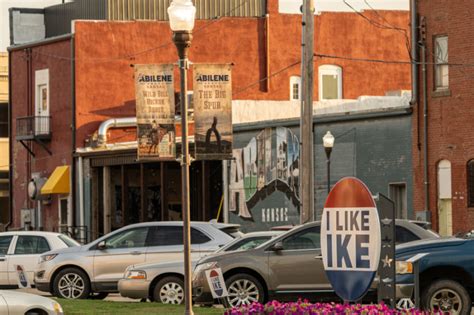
x=212, y=111
x=154, y=92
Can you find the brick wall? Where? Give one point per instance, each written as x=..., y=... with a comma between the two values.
x=449, y=117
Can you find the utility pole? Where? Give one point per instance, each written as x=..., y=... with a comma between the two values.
x=306, y=128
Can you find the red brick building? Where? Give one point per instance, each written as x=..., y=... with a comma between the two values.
x=449, y=141
x=89, y=79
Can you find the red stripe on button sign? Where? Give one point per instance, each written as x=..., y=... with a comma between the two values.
x=354, y=193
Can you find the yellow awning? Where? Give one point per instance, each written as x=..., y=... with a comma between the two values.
x=58, y=182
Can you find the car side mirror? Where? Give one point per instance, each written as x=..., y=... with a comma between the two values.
x=101, y=245
x=277, y=246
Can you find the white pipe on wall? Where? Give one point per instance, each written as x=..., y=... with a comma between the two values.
x=81, y=197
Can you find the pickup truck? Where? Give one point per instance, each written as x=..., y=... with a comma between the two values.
x=446, y=273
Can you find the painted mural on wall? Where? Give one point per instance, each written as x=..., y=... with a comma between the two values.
x=264, y=180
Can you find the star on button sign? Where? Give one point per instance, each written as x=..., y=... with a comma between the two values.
x=387, y=261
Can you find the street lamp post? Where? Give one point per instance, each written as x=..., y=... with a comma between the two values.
x=328, y=142
x=181, y=14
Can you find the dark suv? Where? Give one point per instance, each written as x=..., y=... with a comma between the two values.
x=446, y=273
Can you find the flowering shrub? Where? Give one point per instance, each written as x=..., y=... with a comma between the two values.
x=306, y=308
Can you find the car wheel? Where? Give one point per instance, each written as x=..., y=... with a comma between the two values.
x=98, y=295
x=71, y=283
x=447, y=296
x=243, y=289
x=169, y=290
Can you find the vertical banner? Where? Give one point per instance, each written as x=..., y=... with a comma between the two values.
x=212, y=111
x=154, y=90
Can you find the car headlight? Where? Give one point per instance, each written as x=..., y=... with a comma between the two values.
x=135, y=274
x=403, y=267
x=58, y=310
x=203, y=267
x=48, y=257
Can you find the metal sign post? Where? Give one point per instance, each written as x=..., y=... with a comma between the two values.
x=386, y=270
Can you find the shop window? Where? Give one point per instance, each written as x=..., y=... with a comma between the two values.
x=330, y=82
x=470, y=183
x=3, y=120
x=441, y=62
x=295, y=88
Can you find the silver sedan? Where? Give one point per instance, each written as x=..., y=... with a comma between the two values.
x=163, y=282
x=19, y=303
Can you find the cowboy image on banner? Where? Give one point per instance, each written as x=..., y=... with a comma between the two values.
x=216, y=283
x=154, y=91
x=212, y=99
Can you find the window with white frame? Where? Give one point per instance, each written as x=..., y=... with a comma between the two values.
x=295, y=88
x=330, y=82
x=42, y=110
x=441, y=62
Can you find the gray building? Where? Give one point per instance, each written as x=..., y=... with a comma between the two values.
x=372, y=143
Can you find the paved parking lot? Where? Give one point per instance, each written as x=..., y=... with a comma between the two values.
x=112, y=297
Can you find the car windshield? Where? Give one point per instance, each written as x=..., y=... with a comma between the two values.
x=68, y=241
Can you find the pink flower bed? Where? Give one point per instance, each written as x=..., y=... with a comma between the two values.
x=306, y=308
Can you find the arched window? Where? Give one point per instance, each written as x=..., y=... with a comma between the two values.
x=330, y=82
x=295, y=88
x=470, y=183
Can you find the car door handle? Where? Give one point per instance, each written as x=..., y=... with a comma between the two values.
x=318, y=257
x=136, y=253
x=2, y=259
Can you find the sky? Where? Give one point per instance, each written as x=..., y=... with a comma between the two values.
x=286, y=6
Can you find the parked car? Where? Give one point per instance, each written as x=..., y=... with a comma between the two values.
x=446, y=273
x=163, y=282
x=285, y=268
x=410, y=230
x=20, y=303
x=98, y=266
x=405, y=230
x=24, y=248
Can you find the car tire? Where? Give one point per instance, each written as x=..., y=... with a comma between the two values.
x=98, y=295
x=71, y=283
x=169, y=290
x=447, y=296
x=243, y=289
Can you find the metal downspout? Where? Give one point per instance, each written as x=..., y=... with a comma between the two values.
x=425, y=128
x=10, y=146
x=414, y=64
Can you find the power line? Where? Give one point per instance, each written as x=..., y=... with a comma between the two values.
x=380, y=25
x=130, y=56
x=266, y=78
x=391, y=61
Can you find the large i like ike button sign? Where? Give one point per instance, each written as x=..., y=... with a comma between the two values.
x=350, y=238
